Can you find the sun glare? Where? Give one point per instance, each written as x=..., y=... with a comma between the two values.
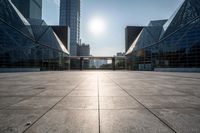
x=97, y=26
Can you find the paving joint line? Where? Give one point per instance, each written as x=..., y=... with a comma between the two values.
x=52, y=107
x=165, y=123
x=99, y=113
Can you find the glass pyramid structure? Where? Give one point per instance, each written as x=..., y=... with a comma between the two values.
x=187, y=12
x=174, y=43
x=28, y=43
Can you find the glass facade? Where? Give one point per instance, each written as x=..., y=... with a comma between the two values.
x=70, y=16
x=29, y=8
x=28, y=43
x=63, y=33
x=172, y=44
x=131, y=33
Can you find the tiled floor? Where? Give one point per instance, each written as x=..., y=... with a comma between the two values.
x=99, y=101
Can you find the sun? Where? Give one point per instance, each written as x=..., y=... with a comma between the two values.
x=97, y=26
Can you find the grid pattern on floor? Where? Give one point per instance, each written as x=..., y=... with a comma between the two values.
x=99, y=101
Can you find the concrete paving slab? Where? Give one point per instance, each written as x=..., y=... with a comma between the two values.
x=78, y=103
x=90, y=93
x=16, y=121
x=188, y=89
x=108, y=82
x=109, y=87
x=90, y=87
x=8, y=86
x=154, y=91
x=119, y=103
x=131, y=121
x=59, y=87
x=7, y=101
x=169, y=101
x=20, y=92
x=54, y=93
x=112, y=92
x=182, y=120
x=67, y=121
x=36, y=103
x=106, y=99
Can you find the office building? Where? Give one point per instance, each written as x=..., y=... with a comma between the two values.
x=120, y=54
x=29, y=8
x=84, y=50
x=70, y=16
x=28, y=44
x=172, y=45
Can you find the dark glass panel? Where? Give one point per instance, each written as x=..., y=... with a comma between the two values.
x=10, y=15
x=189, y=11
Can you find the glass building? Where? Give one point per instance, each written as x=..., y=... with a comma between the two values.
x=84, y=50
x=63, y=33
x=28, y=43
x=29, y=8
x=70, y=16
x=172, y=44
x=131, y=32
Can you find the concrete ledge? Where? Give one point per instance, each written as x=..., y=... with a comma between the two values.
x=3, y=70
x=177, y=69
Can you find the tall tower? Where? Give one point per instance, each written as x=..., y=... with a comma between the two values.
x=29, y=8
x=70, y=16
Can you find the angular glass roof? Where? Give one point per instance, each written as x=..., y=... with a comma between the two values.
x=10, y=15
x=187, y=12
x=39, y=27
x=148, y=36
x=61, y=44
x=130, y=50
x=157, y=22
x=14, y=42
x=35, y=30
x=50, y=39
x=166, y=25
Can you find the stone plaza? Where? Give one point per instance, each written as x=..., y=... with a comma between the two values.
x=99, y=101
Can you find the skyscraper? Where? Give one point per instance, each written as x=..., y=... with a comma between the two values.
x=70, y=16
x=29, y=8
x=84, y=50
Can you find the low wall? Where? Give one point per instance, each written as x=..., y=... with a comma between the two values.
x=3, y=70
x=177, y=69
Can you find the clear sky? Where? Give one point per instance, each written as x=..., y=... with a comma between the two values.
x=116, y=15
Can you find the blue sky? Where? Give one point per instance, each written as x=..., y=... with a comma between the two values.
x=117, y=14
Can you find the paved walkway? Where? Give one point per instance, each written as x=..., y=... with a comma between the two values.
x=99, y=101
